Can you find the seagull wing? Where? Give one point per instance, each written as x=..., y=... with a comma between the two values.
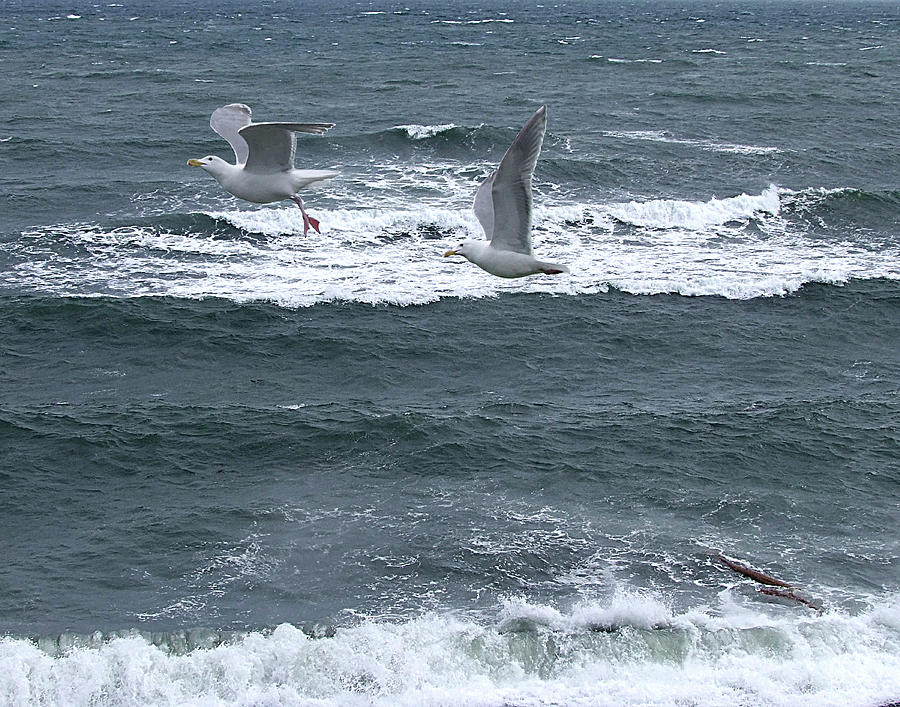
x=484, y=205
x=227, y=121
x=313, y=128
x=272, y=144
x=511, y=187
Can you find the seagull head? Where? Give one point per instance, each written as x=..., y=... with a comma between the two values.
x=211, y=164
x=466, y=249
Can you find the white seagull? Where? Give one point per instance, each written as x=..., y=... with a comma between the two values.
x=264, y=159
x=503, y=207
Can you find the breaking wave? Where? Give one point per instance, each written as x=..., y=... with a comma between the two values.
x=744, y=246
x=420, y=132
x=697, y=215
x=632, y=650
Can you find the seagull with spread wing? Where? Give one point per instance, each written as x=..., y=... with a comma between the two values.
x=264, y=159
x=503, y=207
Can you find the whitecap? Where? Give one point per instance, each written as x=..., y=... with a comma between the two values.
x=661, y=136
x=631, y=649
x=421, y=132
x=613, y=60
x=695, y=215
x=740, y=246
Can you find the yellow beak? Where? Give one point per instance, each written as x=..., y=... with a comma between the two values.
x=195, y=163
x=449, y=253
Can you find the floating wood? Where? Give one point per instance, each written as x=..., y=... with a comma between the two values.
x=756, y=575
x=771, y=591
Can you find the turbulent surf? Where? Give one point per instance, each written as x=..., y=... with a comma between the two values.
x=240, y=465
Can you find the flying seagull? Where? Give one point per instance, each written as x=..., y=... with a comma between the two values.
x=264, y=159
x=503, y=207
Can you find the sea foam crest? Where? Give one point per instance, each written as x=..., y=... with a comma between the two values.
x=614, y=60
x=535, y=654
x=421, y=132
x=626, y=608
x=711, y=145
x=675, y=213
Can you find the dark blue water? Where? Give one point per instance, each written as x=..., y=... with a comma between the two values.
x=239, y=465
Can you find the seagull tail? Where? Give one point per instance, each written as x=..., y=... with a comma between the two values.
x=305, y=177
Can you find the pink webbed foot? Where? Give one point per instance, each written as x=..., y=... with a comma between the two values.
x=307, y=219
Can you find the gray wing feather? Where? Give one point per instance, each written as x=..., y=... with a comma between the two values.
x=272, y=145
x=484, y=205
x=314, y=128
x=227, y=121
x=511, y=187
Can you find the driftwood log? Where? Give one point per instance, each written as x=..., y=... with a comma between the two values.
x=789, y=592
x=760, y=577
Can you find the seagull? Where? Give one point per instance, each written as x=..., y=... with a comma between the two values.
x=264, y=159
x=503, y=208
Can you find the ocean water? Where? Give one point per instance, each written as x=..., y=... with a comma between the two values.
x=243, y=466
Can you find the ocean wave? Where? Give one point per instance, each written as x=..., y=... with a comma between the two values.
x=662, y=136
x=614, y=60
x=745, y=246
x=626, y=609
x=630, y=651
x=695, y=215
x=824, y=199
x=456, y=139
x=484, y=21
x=419, y=132
x=445, y=133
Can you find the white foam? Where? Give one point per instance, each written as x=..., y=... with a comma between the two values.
x=626, y=608
x=402, y=187
x=697, y=215
x=472, y=22
x=533, y=654
x=613, y=60
x=661, y=136
x=420, y=132
x=738, y=247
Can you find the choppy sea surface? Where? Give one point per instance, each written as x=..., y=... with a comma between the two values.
x=243, y=466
